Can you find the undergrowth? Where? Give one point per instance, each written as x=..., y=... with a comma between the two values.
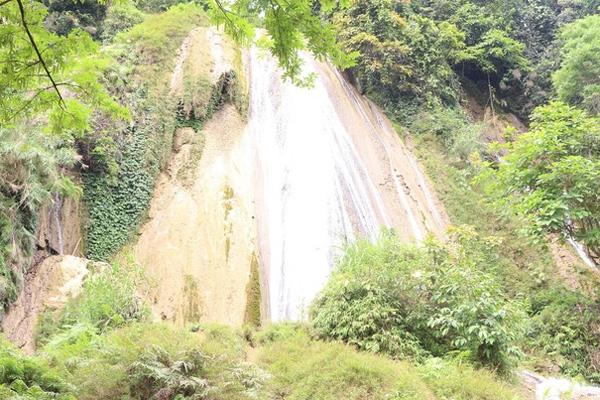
x=563, y=321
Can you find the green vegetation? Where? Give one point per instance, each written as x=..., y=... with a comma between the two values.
x=253, y=295
x=577, y=81
x=120, y=17
x=403, y=56
x=446, y=320
x=39, y=127
x=291, y=27
x=142, y=361
x=406, y=301
x=112, y=297
x=551, y=175
x=304, y=369
x=118, y=196
x=561, y=326
x=24, y=378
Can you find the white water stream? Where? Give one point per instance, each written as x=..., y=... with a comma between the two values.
x=325, y=175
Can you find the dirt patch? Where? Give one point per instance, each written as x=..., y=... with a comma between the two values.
x=49, y=285
x=495, y=122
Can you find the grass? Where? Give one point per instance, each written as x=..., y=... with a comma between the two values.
x=460, y=381
x=303, y=369
x=154, y=42
x=281, y=362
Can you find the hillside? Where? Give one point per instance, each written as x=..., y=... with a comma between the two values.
x=303, y=200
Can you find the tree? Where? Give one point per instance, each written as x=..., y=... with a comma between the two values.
x=403, y=57
x=50, y=92
x=551, y=175
x=578, y=79
x=50, y=75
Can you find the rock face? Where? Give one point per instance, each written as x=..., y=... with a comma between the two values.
x=59, y=230
x=198, y=245
x=308, y=169
x=49, y=285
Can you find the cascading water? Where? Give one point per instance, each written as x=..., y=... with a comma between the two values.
x=56, y=209
x=327, y=173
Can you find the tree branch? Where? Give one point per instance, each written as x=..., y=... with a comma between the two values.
x=37, y=51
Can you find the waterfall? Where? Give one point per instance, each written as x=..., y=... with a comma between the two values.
x=56, y=210
x=329, y=169
x=583, y=255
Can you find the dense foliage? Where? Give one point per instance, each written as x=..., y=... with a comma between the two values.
x=24, y=378
x=404, y=301
x=112, y=296
x=441, y=304
x=551, y=175
x=566, y=327
x=417, y=50
x=402, y=56
x=563, y=312
x=117, y=196
x=578, y=79
x=48, y=105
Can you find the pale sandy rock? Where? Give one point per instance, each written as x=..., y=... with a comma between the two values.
x=49, y=285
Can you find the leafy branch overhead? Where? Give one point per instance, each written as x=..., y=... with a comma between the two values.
x=49, y=74
x=291, y=27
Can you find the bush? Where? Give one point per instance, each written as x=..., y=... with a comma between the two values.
x=120, y=17
x=407, y=301
x=112, y=296
x=551, y=176
x=459, y=135
x=566, y=326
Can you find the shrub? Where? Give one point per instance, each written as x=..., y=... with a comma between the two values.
x=120, y=17
x=407, y=301
x=566, y=326
x=551, y=176
x=459, y=135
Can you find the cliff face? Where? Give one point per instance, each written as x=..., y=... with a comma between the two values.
x=198, y=245
x=59, y=229
x=47, y=287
